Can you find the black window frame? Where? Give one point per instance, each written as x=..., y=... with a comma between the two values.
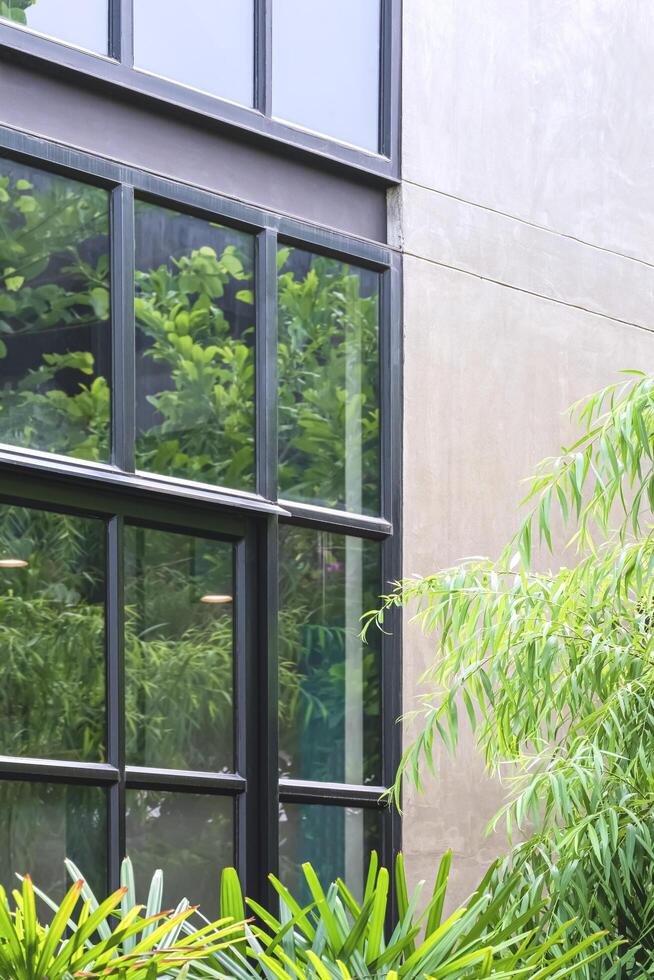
x=117, y=72
x=117, y=494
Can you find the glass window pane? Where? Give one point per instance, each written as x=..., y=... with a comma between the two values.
x=207, y=44
x=336, y=840
x=190, y=837
x=194, y=348
x=84, y=23
x=52, y=635
x=329, y=679
x=55, y=333
x=179, y=651
x=328, y=382
x=43, y=824
x=325, y=76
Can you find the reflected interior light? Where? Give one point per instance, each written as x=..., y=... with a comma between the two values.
x=13, y=563
x=216, y=599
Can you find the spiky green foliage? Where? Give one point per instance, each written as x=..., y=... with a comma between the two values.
x=500, y=932
x=556, y=674
x=89, y=943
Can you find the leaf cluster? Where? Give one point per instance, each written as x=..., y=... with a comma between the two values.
x=89, y=944
x=555, y=672
x=499, y=932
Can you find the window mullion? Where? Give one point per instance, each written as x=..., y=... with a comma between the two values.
x=262, y=725
x=115, y=601
x=121, y=34
x=266, y=363
x=263, y=56
x=123, y=344
x=391, y=476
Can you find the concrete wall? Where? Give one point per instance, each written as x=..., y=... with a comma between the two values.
x=525, y=218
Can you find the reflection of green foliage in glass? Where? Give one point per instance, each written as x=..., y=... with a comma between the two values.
x=179, y=659
x=204, y=425
x=43, y=823
x=52, y=678
x=328, y=386
x=15, y=10
x=329, y=336
x=45, y=284
x=317, y=711
x=188, y=835
x=206, y=430
x=51, y=636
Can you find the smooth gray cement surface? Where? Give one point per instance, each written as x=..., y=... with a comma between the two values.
x=525, y=218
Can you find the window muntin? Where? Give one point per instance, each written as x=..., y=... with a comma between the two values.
x=194, y=312
x=55, y=333
x=189, y=836
x=330, y=680
x=328, y=364
x=179, y=650
x=326, y=67
x=208, y=44
x=336, y=840
x=84, y=23
x=44, y=823
x=52, y=635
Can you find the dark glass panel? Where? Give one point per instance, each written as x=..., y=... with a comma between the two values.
x=329, y=678
x=42, y=824
x=52, y=635
x=207, y=44
x=55, y=334
x=326, y=59
x=179, y=651
x=190, y=837
x=336, y=840
x=84, y=23
x=195, y=349
x=328, y=382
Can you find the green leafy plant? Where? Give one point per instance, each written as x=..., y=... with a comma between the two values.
x=556, y=674
x=136, y=948
x=500, y=932
x=497, y=933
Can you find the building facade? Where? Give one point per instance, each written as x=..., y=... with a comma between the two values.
x=200, y=405
x=524, y=217
x=275, y=331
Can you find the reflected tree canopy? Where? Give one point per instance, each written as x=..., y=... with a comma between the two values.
x=195, y=359
x=195, y=336
x=328, y=359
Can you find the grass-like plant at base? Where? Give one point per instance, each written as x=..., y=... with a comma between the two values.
x=136, y=947
x=500, y=932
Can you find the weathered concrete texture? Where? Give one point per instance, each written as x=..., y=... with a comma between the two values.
x=525, y=218
x=518, y=254
x=489, y=370
x=536, y=108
